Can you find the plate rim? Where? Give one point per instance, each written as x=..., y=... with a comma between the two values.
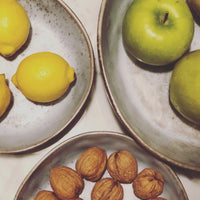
x=93, y=133
x=41, y=143
x=114, y=106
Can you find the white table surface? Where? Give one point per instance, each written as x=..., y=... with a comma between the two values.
x=98, y=116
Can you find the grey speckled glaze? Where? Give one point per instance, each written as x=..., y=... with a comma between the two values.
x=54, y=28
x=67, y=153
x=139, y=94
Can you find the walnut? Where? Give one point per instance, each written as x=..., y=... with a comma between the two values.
x=66, y=183
x=92, y=163
x=158, y=198
x=45, y=195
x=122, y=166
x=107, y=189
x=148, y=184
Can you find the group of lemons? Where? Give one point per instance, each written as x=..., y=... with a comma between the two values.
x=41, y=77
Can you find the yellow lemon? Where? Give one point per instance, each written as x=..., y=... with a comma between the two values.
x=185, y=87
x=43, y=76
x=5, y=95
x=14, y=27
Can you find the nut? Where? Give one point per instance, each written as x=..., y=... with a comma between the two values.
x=158, y=198
x=122, y=166
x=107, y=189
x=66, y=183
x=44, y=195
x=148, y=184
x=92, y=163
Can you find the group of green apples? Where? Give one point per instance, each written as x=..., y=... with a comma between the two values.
x=159, y=33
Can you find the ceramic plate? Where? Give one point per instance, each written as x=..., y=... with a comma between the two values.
x=139, y=94
x=68, y=152
x=54, y=28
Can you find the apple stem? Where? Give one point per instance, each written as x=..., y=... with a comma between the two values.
x=165, y=17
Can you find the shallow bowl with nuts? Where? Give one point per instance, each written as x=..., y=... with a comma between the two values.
x=110, y=179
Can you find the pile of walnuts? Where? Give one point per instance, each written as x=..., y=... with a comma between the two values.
x=68, y=184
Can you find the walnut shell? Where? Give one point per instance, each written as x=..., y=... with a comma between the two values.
x=122, y=166
x=45, y=195
x=148, y=184
x=66, y=183
x=91, y=164
x=107, y=189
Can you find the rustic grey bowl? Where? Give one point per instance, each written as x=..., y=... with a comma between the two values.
x=68, y=152
x=139, y=95
x=54, y=28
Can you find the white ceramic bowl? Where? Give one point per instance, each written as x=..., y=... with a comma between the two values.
x=139, y=94
x=54, y=28
x=68, y=152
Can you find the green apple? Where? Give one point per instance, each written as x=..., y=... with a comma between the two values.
x=158, y=32
x=195, y=4
x=184, y=88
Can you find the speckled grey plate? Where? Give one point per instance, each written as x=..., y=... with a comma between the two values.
x=54, y=28
x=67, y=153
x=139, y=94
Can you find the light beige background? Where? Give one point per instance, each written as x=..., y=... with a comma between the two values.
x=97, y=116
